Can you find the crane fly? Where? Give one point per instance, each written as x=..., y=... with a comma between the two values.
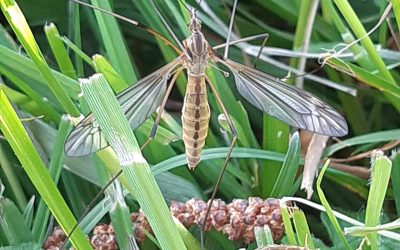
x=287, y=103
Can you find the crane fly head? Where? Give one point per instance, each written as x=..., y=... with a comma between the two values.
x=194, y=23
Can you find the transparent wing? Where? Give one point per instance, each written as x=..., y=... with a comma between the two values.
x=138, y=102
x=287, y=103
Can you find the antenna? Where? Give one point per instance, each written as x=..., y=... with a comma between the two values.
x=168, y=27
x=184, y=4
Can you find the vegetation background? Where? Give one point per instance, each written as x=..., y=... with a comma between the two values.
x=365, y=91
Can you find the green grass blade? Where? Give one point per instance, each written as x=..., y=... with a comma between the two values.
x=40, y=227
x=380, y=136
x=141, y=182
x=352, y=183
x=76, y=35
x=367, y=77
x=275, y=138
x=20, y=142
x=359, y=30
x=6, y=39
x=25, y=36
x=328, y=208
x=214, y=153
x=24, y=66
x=96, y=214
x=287, y=175
x=261, y=240
x=103, y=66
x=287, y=222
x=59, y=51
x=77, y=191
x=151, y=17
x=287, y=11
x=396, y=181
x=28, y=212
x=114, y=41
x=302, y=229
x=190, y=241
x=47, y=110
x=11, y=176
x=359, y=53
x=78, y=52
x=383, y=29
x=234, y=107
x=396, y=11
x=381, y=169
x=120, y=216
x=263, y=236
x=13, y=224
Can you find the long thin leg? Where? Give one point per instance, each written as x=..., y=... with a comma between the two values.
x=265, y=37
x=228, y=156
x=241, y=40
x=260, y=51
x=160, y=110
x=230, y=29
x=90, y=206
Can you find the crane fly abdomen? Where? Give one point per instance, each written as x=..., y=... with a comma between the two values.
x=195, y=119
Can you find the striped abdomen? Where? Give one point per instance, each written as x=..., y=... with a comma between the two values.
x=195, y=119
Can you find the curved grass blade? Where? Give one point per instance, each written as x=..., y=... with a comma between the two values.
x=366, y=76
x=26, y=152
x=12, y=224
x=57, y=160
x=328, y=208
x=380, y=136
x=25, y=36
x=284, y=183
x=213, y=153
x=59, y=51
x=302, y=229
x=23, y=66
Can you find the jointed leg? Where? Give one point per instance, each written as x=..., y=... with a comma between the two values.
x=264, y=36
x=161, y=109
x=230, y=29
x=234, y=134
x=261, y=49
x=244, y=39
x=90, y=206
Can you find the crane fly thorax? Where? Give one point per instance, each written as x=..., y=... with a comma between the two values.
x=196, y=48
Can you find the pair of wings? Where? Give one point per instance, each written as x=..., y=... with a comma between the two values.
x=287, y=103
